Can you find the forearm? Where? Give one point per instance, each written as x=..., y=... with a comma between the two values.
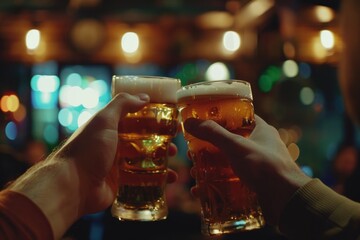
x=49, y=185
x=317, y=212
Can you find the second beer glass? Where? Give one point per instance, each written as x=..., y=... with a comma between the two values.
x=142, y=154
x=227, y=205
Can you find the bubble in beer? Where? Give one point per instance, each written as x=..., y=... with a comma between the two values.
x=214, y=112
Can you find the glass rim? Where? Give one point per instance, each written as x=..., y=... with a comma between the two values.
x=117, y=76
x=159, y=88
x=242, y=89
x=216, y=81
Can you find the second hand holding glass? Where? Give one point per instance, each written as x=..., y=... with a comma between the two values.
x=227, y=205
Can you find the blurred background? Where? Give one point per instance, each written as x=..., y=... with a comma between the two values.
x=57, y=59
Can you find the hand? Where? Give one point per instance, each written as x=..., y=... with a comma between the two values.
x=75, y=179
x=262, y=161
x=93, y=150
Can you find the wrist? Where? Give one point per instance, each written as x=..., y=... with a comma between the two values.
x=283, y=186
x=54, y=185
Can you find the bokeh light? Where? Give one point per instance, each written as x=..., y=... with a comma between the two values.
x=11, y=130
x=130, y=42
x=290, y=68
x=73, y=79
x=231, y=41
x=45, y=83
x=324, y=14
x=307, y=96
x=304, y=70
x=12, y=103
x=294, y=151
x=327, y=39
x=65, y=117
x=3, y=103
x=308, y=170
x=81, y=96
x=32, y=39
x=269, y=78
x=84, y=117
x=20, y=114
x=217, y=71
x=90, y=98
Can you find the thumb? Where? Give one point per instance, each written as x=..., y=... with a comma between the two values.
x=122, y=104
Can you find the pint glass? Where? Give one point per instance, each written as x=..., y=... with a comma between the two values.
x=142, y=152
x=227, y=205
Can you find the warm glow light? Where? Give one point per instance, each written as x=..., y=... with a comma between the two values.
x=324, y=14
x=217, y=71
x=327, y=39
x=231, y=41
x=289, y=50
x=259, y=7
x=32, y=39
x=130, y=42
x=294, y=151
x=318, y=49
x=3, y=103
x=12, y=103
x=20, y=113
x=215, y=19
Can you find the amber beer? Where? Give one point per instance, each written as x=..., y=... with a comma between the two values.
x=227, y=205
x=142, y=153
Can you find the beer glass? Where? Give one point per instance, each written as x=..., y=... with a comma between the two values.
x=227, y=205
x=142, y=153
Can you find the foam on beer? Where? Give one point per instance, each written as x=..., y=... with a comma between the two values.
x=160, y=89
x=228, y=87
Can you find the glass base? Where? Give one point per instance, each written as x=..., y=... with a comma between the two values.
x=219, y=228
x=125, y=214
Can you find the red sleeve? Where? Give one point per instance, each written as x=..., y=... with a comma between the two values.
x=20, y=218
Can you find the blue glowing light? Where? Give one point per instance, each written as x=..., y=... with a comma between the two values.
x=11, y=130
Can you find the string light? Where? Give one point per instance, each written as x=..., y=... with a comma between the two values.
x=32, y=39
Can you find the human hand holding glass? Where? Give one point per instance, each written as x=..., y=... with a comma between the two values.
x=227, y=203
x=142, y=154
x=261, y=160
x=76, y=178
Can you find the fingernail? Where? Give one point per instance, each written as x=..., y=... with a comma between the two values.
x=144, y=97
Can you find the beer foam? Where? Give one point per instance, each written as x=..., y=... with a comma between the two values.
x=221, y=87
x=160, y=89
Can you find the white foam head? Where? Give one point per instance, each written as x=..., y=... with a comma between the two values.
x=221, y=87
x=160, y=89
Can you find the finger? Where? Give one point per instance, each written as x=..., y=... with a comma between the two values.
x=172, y=176
x=264, y=134
x=109, y=116
x=172, y=149
x=125, y=103
x=212, y=132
